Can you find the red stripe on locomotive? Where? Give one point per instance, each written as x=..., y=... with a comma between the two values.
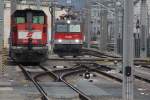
x=68, y=36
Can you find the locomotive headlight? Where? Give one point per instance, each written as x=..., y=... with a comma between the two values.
x=77, y=41
x=59, y=40
x=68, y=21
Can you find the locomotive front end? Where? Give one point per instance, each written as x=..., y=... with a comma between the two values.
x=28, y=38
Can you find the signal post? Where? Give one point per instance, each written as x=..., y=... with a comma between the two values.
x=128, y=51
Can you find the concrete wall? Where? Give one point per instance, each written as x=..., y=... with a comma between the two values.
x=6, y=26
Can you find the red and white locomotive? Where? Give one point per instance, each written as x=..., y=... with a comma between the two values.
x=68, y=37
x=28, y=37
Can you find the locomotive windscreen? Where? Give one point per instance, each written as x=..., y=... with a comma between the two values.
x=20, y=20
x=74, y=28
x=21, y=16
x=38, y=19
x=61, y=28
x=68, y=28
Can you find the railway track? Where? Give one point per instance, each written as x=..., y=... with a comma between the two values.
x=38, y=86
x=78, y=70
x=57, y=78
x=102, y=57
x=143, y=62
x=146, y=66
x=82, y=95
x=65, y=72
x=143, y=73
x=60, y=76
x=99, y=70
x=97, y=53
x=118, y=77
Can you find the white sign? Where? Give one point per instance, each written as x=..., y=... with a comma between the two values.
x=26, y=35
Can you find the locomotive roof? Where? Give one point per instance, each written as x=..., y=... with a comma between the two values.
x=22, y=12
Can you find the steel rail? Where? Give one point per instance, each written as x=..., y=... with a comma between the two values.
x=82, y=95
x=71, y=71
x=47, y=72
x=75, y=71
x=116, y=78
x=144, y=66
x=40, y=89
x=97, y=53
x=108, y=75
x=136, y=61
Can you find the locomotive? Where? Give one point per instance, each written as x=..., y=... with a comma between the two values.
x=28, y=36
x=68, y=37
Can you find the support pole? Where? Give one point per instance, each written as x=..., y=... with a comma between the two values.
x=128, y=51
x=88, y=24
x=116, y=28
x=38, y=3
x=52, y=11
x=143, y=28
x=99, y=32
x=104, y=31
x=1, y=35
x=13, y=6
x=1, y=18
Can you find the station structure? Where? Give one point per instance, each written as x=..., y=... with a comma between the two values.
x=117, y=26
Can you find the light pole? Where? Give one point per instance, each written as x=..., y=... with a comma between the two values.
x=104, y=30
x=52, y=6
x=116, y=25
x=88, y=24
x=128, y=51
x=143, y=28
x=38, y=3
x=13, y=6
x=1, y=34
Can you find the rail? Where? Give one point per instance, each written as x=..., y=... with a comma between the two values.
x=40, y=89
x=53, y=73
x=82, y=95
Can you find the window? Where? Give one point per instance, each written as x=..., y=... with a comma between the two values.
x=38, y=19
x=74, y=28
x=68, y=28
x=20, y=20
x=61, y=28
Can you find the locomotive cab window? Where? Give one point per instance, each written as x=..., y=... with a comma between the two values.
x=61, y=28
x=38, y=19
x=20, y=20
x=74, y=28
